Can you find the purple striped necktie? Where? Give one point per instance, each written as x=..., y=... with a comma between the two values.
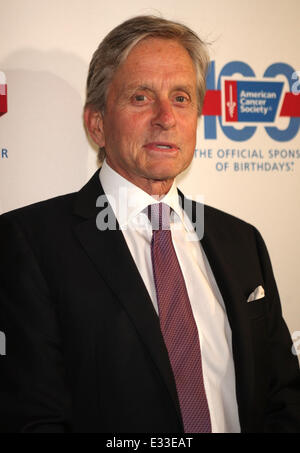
x=177, y=324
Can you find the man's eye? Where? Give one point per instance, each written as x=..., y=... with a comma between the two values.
x=181, y=99
x=140, y=97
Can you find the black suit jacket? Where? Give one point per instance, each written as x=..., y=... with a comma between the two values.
x=84, y=351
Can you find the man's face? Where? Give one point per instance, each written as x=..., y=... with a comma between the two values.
x=150, y=118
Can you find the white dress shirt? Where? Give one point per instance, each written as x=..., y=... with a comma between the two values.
x=128, y=203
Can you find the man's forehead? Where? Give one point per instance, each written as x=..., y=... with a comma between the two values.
x=148, y=66
x=144, y=65
x=152, y=85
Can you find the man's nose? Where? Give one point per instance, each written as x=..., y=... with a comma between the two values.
x=164, y=116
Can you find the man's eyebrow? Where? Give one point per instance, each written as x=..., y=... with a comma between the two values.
x=186, y=87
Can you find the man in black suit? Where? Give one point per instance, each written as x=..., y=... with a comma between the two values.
x=80, y=304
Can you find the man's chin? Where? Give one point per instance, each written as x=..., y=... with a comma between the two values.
x=163, y=170
x=162, y=176
x=166, y=172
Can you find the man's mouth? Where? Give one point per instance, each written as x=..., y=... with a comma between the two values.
x=163, y=146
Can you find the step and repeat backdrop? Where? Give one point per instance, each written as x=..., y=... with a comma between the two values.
x=247, y=159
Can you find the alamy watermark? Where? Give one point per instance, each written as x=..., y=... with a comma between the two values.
x=296, y=85
x=2, y=343
x=192, y=214
x=296, y=342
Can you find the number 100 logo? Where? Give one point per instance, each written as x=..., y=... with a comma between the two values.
x=240, y=102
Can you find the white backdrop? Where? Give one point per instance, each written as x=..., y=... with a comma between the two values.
x=46, y=46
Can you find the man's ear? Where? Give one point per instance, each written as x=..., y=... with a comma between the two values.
x=93, y=121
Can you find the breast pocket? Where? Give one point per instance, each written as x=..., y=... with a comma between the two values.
x=258, y=322
x=257, y=308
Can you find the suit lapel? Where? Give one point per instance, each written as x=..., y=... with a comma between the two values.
x=109, y=253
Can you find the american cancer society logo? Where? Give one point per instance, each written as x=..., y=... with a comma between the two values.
x=249, y=101
x=3, y=94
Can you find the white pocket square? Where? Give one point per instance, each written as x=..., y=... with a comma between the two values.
x=258, y=293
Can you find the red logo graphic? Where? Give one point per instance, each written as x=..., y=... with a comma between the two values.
x=3, y=94
x=231, y=111
x=290, y=106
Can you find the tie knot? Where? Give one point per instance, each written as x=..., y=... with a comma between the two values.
x=159, y=216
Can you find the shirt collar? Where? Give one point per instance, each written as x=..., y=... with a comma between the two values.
x=128, y=200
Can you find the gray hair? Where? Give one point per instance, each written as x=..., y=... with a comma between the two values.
x=116, y=46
